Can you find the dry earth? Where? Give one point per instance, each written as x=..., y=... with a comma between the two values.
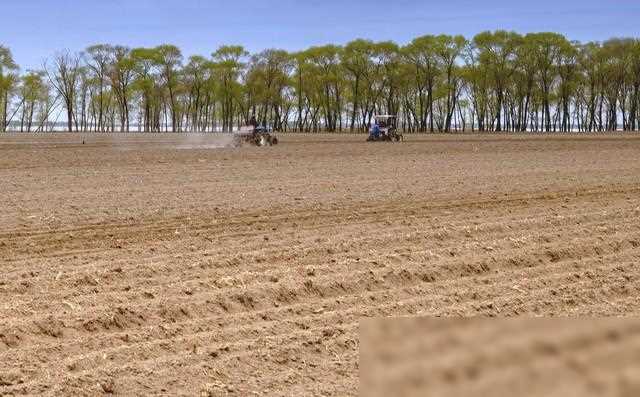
x=156, y=264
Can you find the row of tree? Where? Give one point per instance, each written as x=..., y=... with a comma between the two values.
x=498, y=81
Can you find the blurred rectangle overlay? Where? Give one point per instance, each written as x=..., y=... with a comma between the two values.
x=523, y=356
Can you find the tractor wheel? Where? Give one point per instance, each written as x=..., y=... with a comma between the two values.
x=261, y=140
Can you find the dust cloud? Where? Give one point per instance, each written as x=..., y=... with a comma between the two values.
x=205, y=141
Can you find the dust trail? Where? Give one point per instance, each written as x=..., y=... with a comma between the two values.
x=175, y=141
x=126, y=141
x=205, y=141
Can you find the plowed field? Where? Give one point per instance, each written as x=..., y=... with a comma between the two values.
x=157, y=264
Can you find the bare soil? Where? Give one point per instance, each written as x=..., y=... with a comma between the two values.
x=158, y=264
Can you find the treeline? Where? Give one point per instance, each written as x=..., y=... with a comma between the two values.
x=498, y=81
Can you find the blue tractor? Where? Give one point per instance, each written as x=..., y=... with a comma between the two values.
x=384, y=129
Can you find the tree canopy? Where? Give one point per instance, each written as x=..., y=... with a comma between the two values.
x=495, y=81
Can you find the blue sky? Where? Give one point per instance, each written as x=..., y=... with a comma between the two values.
x=36, y=29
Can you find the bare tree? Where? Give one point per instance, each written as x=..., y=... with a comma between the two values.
x=63, y=76
x=98, y=62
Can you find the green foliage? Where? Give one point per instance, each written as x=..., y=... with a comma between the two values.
x=499, y=80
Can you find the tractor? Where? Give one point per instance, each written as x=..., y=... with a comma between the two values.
x=385, y=129
x=258, y=136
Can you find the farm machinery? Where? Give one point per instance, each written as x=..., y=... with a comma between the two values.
x=385, y=129
x=255, y=135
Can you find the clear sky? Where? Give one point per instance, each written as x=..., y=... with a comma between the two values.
x=35, y=29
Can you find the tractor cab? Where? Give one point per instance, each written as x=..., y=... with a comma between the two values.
x=384, y=129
